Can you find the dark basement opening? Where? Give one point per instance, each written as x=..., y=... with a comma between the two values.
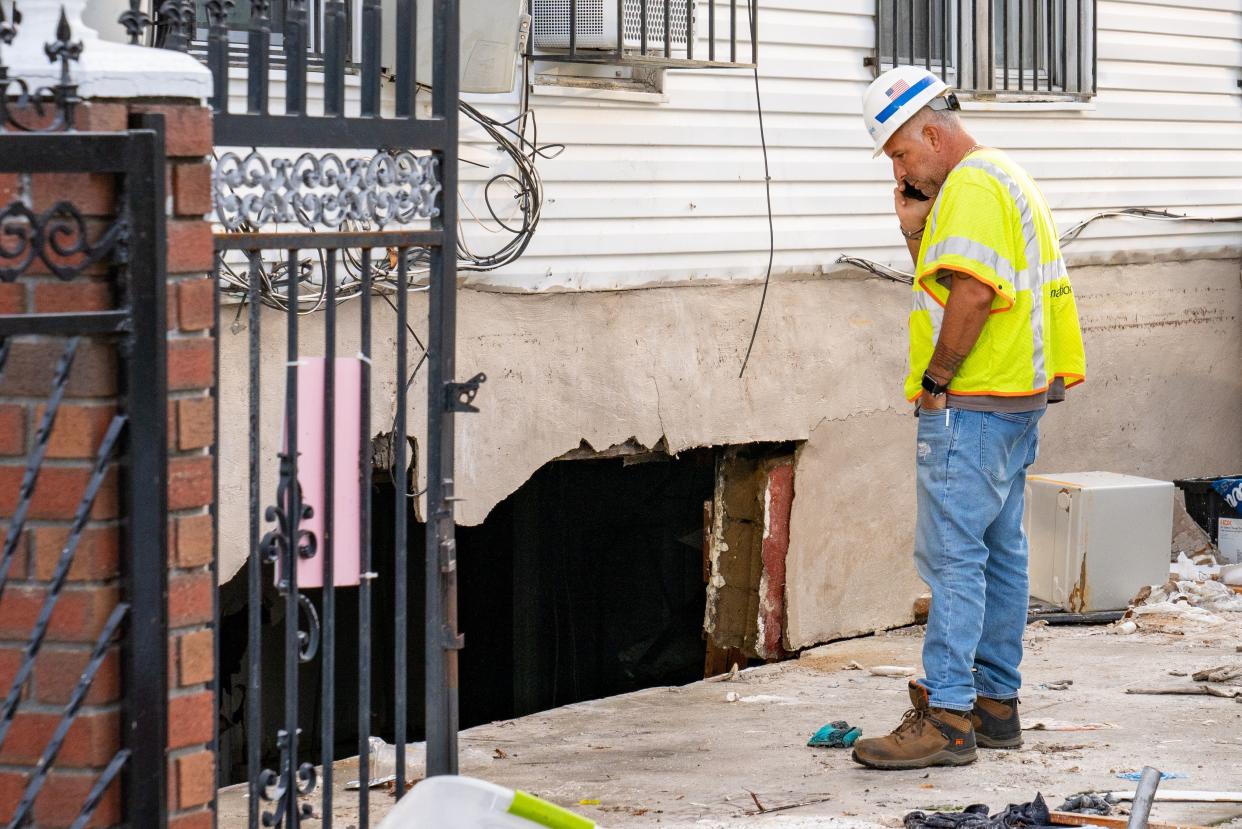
x=588, y=581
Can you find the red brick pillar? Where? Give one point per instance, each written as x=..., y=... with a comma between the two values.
x=94, y=583
x=191, y=466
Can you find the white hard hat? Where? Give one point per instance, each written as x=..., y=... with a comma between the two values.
x=894, y=97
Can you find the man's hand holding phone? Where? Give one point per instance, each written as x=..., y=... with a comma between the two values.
x=912, y=210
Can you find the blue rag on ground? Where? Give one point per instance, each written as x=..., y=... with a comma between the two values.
x=838, y=734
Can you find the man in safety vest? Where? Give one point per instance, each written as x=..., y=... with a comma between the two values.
x=994, y=337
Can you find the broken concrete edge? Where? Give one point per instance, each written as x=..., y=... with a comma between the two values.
x=630, y=448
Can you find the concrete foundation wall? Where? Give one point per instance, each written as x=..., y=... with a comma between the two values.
x=1163, y=399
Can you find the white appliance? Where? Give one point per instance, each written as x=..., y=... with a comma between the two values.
x=1096, y=538
x=597, y=24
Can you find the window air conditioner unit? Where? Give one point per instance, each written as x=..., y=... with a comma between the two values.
x=597, y=24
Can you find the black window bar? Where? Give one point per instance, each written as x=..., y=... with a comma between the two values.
x=1028, y=48
x=647, y=32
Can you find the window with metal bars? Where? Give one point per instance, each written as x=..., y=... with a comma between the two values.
x=920, y=35
x=1004, y=49
x=700, y=33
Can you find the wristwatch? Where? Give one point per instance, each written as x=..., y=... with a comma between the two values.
x=932, y=387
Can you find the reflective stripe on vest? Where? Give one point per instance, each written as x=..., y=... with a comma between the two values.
x=1030, y=277
x=980, y=253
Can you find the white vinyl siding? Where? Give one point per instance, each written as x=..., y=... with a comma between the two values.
x=671, y=192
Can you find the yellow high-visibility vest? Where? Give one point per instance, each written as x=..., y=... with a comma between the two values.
x=991, y=222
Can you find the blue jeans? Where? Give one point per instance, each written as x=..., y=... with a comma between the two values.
x=970, y=548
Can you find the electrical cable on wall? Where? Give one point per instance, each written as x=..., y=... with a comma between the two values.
x=524, y=153
x=1142, y=213
x=767, y=189
x=894, y=275
x=516, y=138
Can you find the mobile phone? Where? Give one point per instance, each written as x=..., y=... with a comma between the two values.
x=911, y=192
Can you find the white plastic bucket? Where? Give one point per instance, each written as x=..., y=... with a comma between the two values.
x=448, y=802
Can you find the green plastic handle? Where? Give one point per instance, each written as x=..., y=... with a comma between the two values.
x=546, y=814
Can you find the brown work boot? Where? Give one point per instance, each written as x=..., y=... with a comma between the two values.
x=996, y=723
x=926, y=737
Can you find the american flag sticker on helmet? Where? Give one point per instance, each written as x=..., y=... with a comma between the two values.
x=896, y=89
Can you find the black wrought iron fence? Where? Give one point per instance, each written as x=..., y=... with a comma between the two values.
x=304, y=230
x=986, y=47
x=680, y=33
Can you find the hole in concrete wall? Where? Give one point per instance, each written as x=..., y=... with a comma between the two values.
x=588, y=581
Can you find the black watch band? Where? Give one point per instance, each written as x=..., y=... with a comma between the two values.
x=932, y=387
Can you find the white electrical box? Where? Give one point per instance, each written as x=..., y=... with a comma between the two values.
x=492, y=38
x=1096, y=538
x=597, y=24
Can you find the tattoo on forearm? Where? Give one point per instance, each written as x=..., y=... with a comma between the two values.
x=946, y=361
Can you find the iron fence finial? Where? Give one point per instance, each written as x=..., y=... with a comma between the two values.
x=135, y=20
x=8, y=30
x=218, y=11
x=176, y=19
x=63, y=48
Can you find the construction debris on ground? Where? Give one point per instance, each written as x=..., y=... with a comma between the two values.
x=1154, y=688
x=683, y=756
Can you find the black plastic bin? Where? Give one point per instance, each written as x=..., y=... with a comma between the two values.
x=1205, y=504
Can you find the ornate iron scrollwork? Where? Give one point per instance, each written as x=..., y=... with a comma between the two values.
x=276, y=549
x=274, y=788
x=276, y=545
x=308, y=640
x=283, y=545
x=58, y=236
x=325, y=190
x=16, y=95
